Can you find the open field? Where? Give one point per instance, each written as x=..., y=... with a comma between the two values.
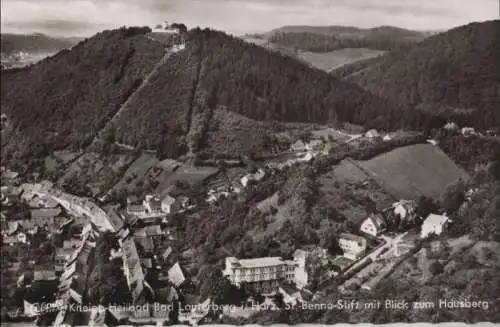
x=329, y=61
x=412, y=171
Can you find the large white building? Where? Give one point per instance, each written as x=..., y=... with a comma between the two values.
x=264, y=275
x=433, y=224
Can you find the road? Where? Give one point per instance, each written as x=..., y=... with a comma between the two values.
x=389, y=243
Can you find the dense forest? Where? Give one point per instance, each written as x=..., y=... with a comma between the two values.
x=64, y=100
x=455, y=75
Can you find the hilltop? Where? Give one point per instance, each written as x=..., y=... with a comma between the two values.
x=455, y=75
x=64, y=101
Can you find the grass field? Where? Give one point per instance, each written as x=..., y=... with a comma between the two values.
x=329, y=61
x=412, y=171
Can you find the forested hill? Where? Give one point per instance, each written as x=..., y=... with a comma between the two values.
x=455, y=74
x=65, y=100
x=217, y=70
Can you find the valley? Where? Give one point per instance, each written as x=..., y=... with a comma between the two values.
x=188, y=170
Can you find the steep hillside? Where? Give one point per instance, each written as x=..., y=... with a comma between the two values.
x=409, y=172
x=64, y=100
x=453, y=74
x=12, y=43
x=219, y=70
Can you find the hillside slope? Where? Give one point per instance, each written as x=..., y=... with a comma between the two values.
x=453, y=74
x=64, y=100
x=412, y=171
x=218, y=70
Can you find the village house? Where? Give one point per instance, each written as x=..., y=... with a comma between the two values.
x=176, y=275
x=450, y=126
x=434, y=224
x=152, y=203
x=16, y=235
x=354, y=246
x=315, y=145
x=468, y=131
x=132, y=270
x=293, y=296
x=373, y=225
x=264, y=275
x=299, y=146
x=170, y=205
x=405, y=209
x=372, y=133
x=10, y=195
x=44, y=274
x=245, y=180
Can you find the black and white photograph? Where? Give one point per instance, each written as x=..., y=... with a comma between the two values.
x=249, y=162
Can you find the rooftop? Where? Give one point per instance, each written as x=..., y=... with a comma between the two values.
x=259, y=262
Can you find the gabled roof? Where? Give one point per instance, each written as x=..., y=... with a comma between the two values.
x=352, y=237
x=44, y=213
x=434, y=219
x=175, y=275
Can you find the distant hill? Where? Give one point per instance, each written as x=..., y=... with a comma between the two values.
x=330, y=38
x=455, y=75
x=13, y=43
x=66, y=100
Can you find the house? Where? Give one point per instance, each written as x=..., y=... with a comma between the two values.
x=433, y=142
x=148, y=231
x=434, y=224
x=372, y=133
x=468, y=131
x=175, y=275
x=373, y=225
x=62, y=256
x=405, y=209
x=252, y=177
x=44, y=274
x=264, y=275
x=315, y=145
x=299, y=146
x=387, y=137
x=292, y=295
x=152, y=203
x=354, y=246
x=450, y=126
x=170, y=205
x=15, y=234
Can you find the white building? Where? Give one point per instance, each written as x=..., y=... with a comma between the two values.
x=373, y=225
x=169, y=205
x=264, y=275
x=468, y=131
x=165, y=27
x=354, y=246
x=372, y=133
x=252, y=177
x=450, y=126
x=433, y=224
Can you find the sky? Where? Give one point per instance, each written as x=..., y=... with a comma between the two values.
x=86, y=17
